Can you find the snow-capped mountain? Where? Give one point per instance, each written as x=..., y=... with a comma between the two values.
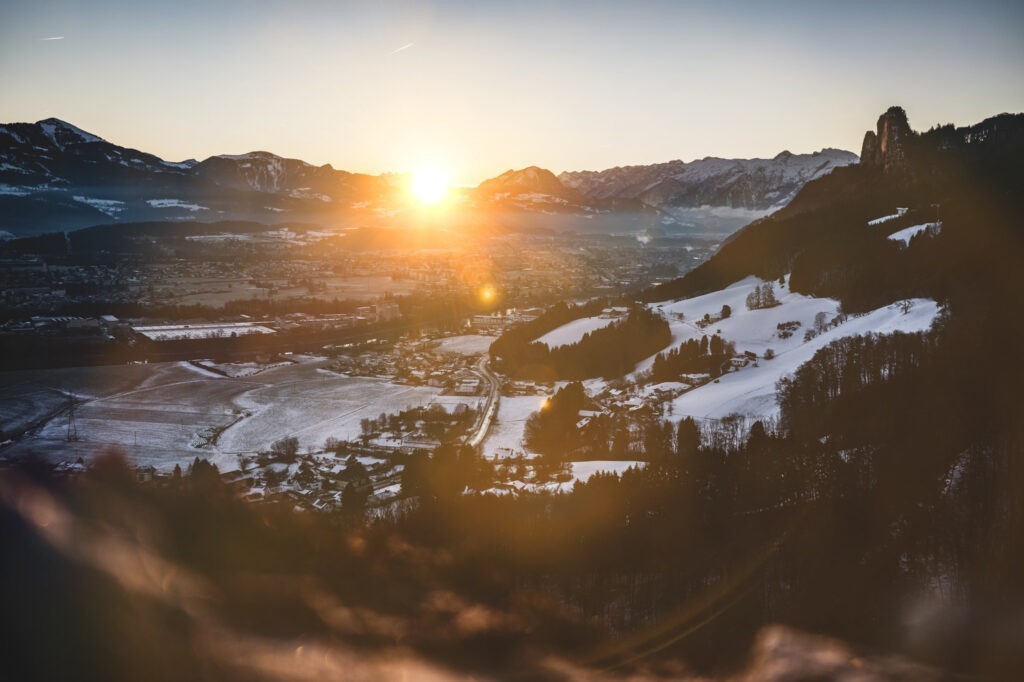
x=52, y=154
x=56, y=176
x=531, y=181
x=755, y=184
x=711, y=196
x=535, y=197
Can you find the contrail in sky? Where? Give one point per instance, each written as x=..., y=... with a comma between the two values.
x=53, y=38
x=403, y=47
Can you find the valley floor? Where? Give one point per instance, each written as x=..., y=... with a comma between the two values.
x=169, y=413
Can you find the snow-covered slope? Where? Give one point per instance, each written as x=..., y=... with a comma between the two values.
x=574, y=331
x=751, y=390
x=906, y=234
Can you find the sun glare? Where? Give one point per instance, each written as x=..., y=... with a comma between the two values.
x=429, y=185
x=488, y=294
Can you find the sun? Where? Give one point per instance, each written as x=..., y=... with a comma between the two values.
x=429, y=185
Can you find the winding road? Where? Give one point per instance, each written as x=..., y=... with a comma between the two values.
x=486, y=417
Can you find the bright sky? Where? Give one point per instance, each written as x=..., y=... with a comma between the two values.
x=477, y=87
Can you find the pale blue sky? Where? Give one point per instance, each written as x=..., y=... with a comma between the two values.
x=489, y=86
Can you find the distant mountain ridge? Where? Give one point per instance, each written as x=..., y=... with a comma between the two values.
x=530, y=180
x=756, y=184
x=266, y=172
x=55, y=176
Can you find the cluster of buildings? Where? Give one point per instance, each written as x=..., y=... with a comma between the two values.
x=111, y=327
x=102, y=326
x=497, y=322
x=416, y=362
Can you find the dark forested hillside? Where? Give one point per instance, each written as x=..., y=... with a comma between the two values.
x=965, y=176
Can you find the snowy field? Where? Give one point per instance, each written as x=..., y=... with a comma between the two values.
x=316, y=409
x=580, y=472
x=160, y=414
x=238, y=370
x=468, y=344
x=574, y=331
x=506, y=435
x=27, y=396
x=110, y=207
x=751, y=390
x=905, y=235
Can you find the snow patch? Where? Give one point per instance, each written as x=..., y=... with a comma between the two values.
x=52, y=125
x=175, y=203
x=583, y=471
x=905, y=235
x=110, y=207
x=886, y=218
x=13, y=190
x=574, y=331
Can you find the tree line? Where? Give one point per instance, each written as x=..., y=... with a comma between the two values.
x=707, y=355
x=610, y=351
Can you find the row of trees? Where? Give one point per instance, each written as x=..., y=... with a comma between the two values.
x=610, y=351
x=552, y=431
x=693, y=356
x=434, y=421
x=446, y=472
x=763, y=296
x=514, y=339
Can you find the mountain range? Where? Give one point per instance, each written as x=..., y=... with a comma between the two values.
x=55, y=176
x=755, y=184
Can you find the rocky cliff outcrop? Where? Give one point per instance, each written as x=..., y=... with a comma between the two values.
x=886, y=147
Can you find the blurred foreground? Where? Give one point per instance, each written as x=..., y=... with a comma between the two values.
x=105, y=578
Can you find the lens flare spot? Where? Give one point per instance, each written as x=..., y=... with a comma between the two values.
x=488, y=294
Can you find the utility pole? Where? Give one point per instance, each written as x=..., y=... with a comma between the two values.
x=72, y=432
